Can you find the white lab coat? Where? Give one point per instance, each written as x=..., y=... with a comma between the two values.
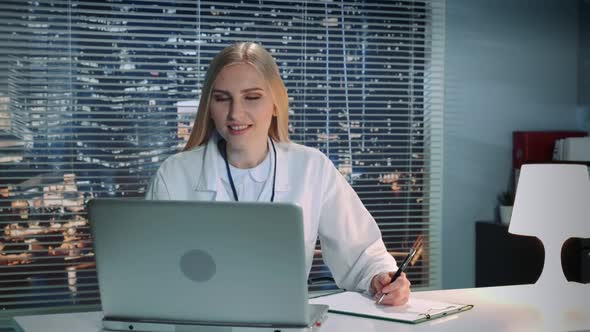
x=351, y=241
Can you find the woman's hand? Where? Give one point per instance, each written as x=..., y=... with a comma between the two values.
x=397, y=293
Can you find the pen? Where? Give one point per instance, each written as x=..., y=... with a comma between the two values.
x=401, y=269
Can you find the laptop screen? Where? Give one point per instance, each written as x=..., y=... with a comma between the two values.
x=226, y=262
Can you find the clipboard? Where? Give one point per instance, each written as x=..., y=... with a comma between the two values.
x=414, y=312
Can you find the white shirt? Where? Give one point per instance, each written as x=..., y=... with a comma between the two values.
x=249, y=182
x=351, y=241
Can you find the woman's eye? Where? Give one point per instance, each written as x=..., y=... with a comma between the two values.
x=220, y=98
x=253, y=97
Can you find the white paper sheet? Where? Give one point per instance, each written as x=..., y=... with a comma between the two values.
x=414, y=311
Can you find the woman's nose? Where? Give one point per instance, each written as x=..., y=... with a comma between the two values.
x=236, y=109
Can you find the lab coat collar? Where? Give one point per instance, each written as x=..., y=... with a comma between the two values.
x=209, y=179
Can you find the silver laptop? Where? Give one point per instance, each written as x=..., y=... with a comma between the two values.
x=179, y=265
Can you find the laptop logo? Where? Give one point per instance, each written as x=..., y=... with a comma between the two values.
x=198, y=265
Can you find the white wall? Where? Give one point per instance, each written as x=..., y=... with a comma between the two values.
x=510, y=65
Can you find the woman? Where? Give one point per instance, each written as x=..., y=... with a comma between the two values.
x=239, y=150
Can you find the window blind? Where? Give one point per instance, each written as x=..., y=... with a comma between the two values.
x=94, y=95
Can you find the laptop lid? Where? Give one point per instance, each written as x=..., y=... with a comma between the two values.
x=231, y=262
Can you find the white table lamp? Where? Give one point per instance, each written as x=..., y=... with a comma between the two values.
x=553, y=204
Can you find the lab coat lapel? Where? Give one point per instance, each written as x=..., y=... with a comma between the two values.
x=209, y=182
x=282, y=185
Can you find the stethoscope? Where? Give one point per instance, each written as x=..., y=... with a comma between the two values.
x=222, y=146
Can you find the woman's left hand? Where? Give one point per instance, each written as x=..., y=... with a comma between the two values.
x=397, y=293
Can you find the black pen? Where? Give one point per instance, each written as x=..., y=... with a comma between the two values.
x=401, y=269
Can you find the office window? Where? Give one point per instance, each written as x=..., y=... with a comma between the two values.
x=94, y=95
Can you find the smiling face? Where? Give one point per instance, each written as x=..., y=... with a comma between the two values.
x=242, y=108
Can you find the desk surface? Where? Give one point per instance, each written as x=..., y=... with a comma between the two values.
x=506, y=308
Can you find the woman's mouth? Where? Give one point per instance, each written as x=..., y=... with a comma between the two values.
x=238, y=129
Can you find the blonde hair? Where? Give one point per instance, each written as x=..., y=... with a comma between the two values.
x=261, y=60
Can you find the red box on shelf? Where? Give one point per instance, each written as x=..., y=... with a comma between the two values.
x=537, y=146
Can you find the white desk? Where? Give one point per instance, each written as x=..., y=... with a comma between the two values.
x=509, y=308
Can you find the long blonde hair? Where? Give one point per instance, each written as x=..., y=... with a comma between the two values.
x=259, y=58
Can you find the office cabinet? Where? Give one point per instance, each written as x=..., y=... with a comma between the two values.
x=503, y=259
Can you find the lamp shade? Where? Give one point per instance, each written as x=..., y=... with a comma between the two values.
x=552, y=201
